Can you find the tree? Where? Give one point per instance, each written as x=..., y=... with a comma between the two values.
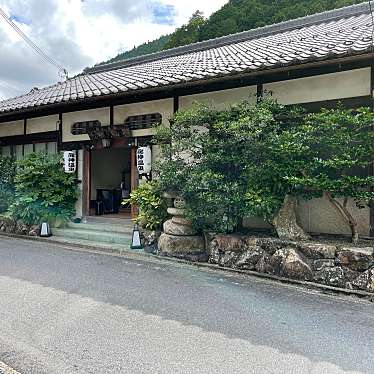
x=218, y=161
x=257, y=160
x=187, y=34
x=338, y=150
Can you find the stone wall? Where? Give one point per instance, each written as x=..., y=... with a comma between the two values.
x=333, y=265
x=8, y=225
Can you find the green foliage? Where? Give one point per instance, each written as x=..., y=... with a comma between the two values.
x=242, y=15
x=187, y=34
x=211, y=159
x=244, y=161
x=235, y=16
x=7, y=174
x=338, y=146
x=43, y=191
x=152, y=206
x=156, y=45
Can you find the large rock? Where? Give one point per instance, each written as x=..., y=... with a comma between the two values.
x=331, y=276
x=358, y=259
x=323, y=263
x=249, y=259
x=263, y=265
x=289, y=263
x=285, y=221
x=173, y=228
x=228, y=243
x=317, y=251
x=365, y=281
x=228, y=259
x=180, y=245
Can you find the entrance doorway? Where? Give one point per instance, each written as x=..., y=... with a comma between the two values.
x=110, y=182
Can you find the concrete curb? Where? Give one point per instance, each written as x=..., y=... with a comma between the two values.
x=131, y=254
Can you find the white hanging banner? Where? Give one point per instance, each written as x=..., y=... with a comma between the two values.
x=144, y=160
x=70, y=161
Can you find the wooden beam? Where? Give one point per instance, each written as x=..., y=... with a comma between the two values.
x=41, y=137
x=86, y=182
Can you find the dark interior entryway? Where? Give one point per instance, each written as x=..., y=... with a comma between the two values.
x=110, y=182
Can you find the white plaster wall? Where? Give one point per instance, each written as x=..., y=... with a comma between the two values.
x=341, y=85
x=42, y=124
x=101, y=114
x=11, y=128
x=165, y=107
x=220, y=99
x=318, y=216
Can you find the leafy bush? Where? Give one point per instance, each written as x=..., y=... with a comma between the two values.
x=43, y=191
x=152, y=206
x=210, y=157
x=7, y=174
x=248, y=160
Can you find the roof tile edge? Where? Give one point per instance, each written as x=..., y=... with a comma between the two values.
x=352, y=10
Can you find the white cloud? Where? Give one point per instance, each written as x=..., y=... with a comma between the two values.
x=80, y=33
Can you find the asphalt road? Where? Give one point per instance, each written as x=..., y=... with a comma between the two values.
x=65, y=311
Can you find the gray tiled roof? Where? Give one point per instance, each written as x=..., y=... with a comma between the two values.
x=338, y=33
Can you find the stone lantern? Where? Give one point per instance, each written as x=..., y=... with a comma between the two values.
x=179, y=238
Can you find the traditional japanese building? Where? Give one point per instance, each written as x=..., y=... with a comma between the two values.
x=106, y=112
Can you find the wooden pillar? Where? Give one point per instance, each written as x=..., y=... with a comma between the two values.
x=86, y=182
x=134, y=180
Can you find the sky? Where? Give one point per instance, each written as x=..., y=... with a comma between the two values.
x=80, y=33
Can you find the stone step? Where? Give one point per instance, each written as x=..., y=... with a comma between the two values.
x=93, y=236
x=102, y=227
x=112, y=220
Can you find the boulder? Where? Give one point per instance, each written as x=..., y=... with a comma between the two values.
x=331, y=276
x=317, y=251
x=248, y=259
x=180, y=245
x=214, y=255
x=228, y=259
x=263, y=265
x=228, y=243
x=290, y=263
x=270, y=245
x=173, y=228
x=323, y=263
x=357, y=259
x=365, y=281
x=34, y=230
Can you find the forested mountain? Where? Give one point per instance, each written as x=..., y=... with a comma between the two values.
x=235, y=16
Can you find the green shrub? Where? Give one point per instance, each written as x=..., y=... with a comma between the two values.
x=152, y=206
x=7, y=174
x=43, y=191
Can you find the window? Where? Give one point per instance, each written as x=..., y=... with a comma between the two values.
x=19, y=151
x=143, y=121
